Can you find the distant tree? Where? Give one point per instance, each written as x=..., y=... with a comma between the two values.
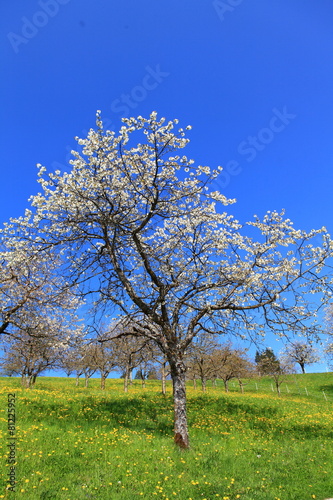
x=40, y=347
x=29, y=357
x=146, y=365
x=67, y=363
x=229, y=363
x=130, y=352
x=301, y=353
x=163, y=369
x=278, y=369
x=71, y=361
x=103, y=353
x=104, y=359
x=257, y=357
x=328, y=353
x=328, y=350
x=265, y=360
x=81, y=360
x=198, y=359
x=88, y=361
x=153, y=374
x=245, y=369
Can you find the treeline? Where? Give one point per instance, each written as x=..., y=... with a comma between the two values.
x=206, y=359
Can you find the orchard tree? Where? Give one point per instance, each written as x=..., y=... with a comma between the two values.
x=236, y=365
x=140, y=225
x=130, y=352
x=71, y=361
x=265, y=360
x=163, y=371
x=31, y=288
x=87, y=361
x=278, y=369
x=328, y=352
x=199, y=362
x=302, y=353
x=104, y=360
x=37, y=349
x=228, y=363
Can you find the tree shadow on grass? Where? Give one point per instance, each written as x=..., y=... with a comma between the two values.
x=144, y=413
x=136, y=413
x=224, y=406
x=154, y=415
x=310, y=431
x=328, y=389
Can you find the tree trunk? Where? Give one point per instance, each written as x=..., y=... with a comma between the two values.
x=77, y=380
x=126, y=376
x=194, y=383
x=226, y=385
x=302, y=367
x=103, y=381
x=86, y=381
x=277, y=385
x=203, y=384
x=28, y=381
x=178, y=370
x=163, y=379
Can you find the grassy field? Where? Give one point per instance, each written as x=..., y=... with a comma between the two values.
x=75, y=443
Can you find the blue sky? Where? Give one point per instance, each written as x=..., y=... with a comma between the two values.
x=254, y=78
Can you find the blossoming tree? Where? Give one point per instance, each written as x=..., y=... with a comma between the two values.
x=39, y=347
x=142, y=228
x=302, y=353
x=31, y=288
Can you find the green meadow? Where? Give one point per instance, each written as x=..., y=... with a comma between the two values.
x=74, y=443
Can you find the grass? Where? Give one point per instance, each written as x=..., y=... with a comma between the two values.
x=75, y=443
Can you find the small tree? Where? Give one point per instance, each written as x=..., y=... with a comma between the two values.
x=40, y=346
x=228, y=363
x=160, y=359
x=104, y=359
x=29, y=357
x=301, y=353
x=71, y=361
x=129, y=353
x=198, y=359
x=245, y=369
x=328, y=352
x=88, y=361
x=277, y=369
x=265, y=360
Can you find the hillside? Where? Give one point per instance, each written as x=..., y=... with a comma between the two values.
x=75, y=443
